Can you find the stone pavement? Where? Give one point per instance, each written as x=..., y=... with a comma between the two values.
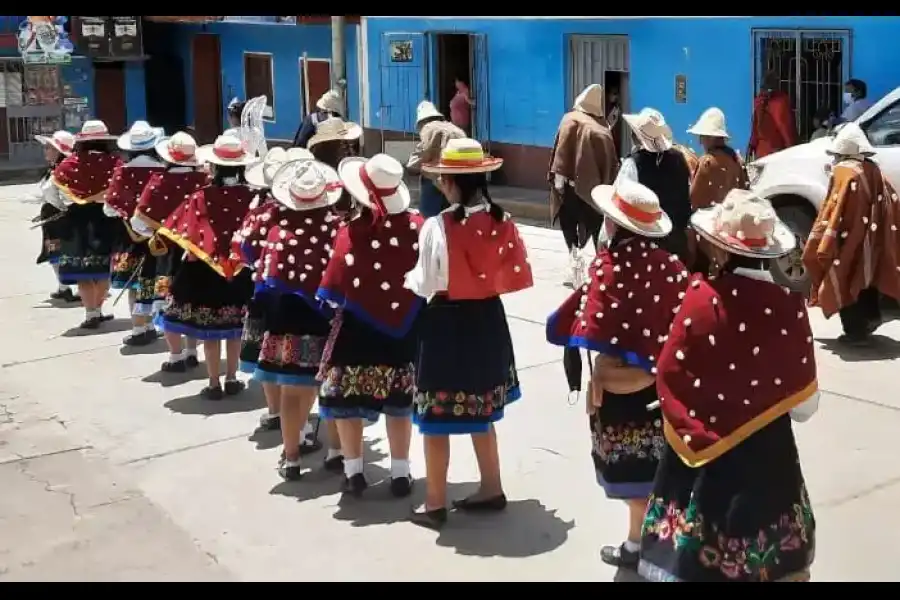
x=110, y=472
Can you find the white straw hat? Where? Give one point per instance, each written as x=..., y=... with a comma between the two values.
x=180, y=149
x=334, y=129
x=94, y=130
x=226, y=151
x=745, y=224
x=381, y=175
x=427, y=110
x=591, y=101
x=633, y=206
x=461, y=156
x=711, y=124
x=330, y=101
x=260, y=174
x=850, y=141
x=651, y=129
x=141, y=136
x=306, y=185
x=62, y=140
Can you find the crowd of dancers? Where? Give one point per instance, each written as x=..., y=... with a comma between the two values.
x=321, y=282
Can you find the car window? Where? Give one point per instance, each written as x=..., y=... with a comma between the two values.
x=884, y=130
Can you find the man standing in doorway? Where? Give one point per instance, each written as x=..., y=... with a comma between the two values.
x=773, y=127
x=583, y=157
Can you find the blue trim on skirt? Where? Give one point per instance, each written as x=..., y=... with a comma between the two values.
x=629, y=358
x=625, y=491
x=334, y=297
x=369, y=415
x=208, y=335
x=264, y=376
x=73, y=278
x=248, y=367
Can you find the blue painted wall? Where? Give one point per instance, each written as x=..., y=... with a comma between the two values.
x=528, y=69
x=286, y=43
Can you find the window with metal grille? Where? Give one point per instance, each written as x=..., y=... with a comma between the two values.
x=259, y=80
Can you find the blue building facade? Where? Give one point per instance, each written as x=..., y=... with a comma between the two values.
x=526, y=71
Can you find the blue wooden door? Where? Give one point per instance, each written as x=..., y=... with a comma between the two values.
x=403, y=61
x=480, y=90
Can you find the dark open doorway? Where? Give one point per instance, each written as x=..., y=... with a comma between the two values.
x=454, y=63
x=612, y=87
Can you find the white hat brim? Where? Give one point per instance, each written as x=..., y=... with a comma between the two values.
x=719, y=133
x=162, y=150
x=45, y=140
x=281, y=181
x=783, y=241
x=647, y=142
x=490, y=164
x=352, y=132
x=205, y=154
x=124, y=142
x=348, y=171
x=602, y=196
x=429, y=114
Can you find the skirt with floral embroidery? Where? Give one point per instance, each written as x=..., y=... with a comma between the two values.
x=204, y=305
x=365, y=372
x=293, y=335
x=160, y=286
x=87, y=238
x=127, y=257
x=465, y=367
x=50, y=234
x=626, y=443
x=744, y=517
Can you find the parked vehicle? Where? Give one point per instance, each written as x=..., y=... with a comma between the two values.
x=795, y=180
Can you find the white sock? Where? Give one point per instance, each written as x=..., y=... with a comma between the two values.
x=174, y=358
x=138, y=329
x=92, y=312
x=353, y=466
x=399, y=468
x=332, y=453
x=190, y=352
x=631, y=546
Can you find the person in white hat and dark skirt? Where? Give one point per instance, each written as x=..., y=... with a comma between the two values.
x=624, y=314
x=851, y=252
x=367, y=367
x=56, y=148
x=209, y=295
x=162, y=195
x=729, y=502
x=434, y=133
x=469, y=256
x=133, y=263
x=88, y=234
x=287, y=243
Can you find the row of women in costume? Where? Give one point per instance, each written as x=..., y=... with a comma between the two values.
x=697, y=376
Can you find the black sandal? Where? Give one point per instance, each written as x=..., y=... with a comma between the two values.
x=91, y=323
x=618, y=556
x=212, y=393
x=191, y=361
x=473, y=504
x=355, y=486
x=434, y=519
x=176, y=366
x=234, y=387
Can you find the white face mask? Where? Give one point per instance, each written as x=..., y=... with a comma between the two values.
x=848, y=98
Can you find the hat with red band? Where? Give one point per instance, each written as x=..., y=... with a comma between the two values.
x=744, y=224
x=226, y=151
x=377, y=183
x=633, y=206
x=180, y=149
x=62, y=140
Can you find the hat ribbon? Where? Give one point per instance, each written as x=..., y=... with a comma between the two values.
x=748, y=242
x=376, y=194
x=228, y=153
x=634, y=213
x=178, y=155
x=63, y=146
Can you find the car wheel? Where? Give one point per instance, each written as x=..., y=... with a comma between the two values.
x=789, y=270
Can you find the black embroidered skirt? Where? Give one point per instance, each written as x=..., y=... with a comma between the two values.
x=51, y=234
x=126, y=258
x=465, y=367
x=290, y=335
x=365, y=372
x=204, y=305
x=745, y=516
x=87, y=240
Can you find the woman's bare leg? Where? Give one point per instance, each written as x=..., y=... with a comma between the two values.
x=232, y=358
x=296, y=402
x=350, y=439
x=437, y=463
x=212, y=352
x=399, y=433
x=488, y=457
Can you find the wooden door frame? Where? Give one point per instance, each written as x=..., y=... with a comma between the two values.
x=304, y=73
x=271, y=79
x=218, y=69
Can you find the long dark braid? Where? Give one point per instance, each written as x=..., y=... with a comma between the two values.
x=473, y=187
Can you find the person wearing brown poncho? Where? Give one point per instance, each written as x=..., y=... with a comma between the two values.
x=851, y=253
x=583, y=157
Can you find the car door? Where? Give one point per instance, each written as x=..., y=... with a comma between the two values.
x=883, y=132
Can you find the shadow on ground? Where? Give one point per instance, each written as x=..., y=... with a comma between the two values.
x=167, y=380
x=251, y=398
x=158, y=346
x=114, y=326
x=880, y=348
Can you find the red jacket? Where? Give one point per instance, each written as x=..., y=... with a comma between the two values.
x=773, y=126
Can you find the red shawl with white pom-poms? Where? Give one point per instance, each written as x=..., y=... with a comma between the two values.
x=165, y=192
x=366, y=272
x=626, y=308
x=206, y=221
x=739, y=356
x=84, y=177
x=126, y=186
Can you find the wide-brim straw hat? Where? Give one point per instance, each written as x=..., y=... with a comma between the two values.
x=94, y=130
x=386, y=176
x=167, y=149
x=290, y=171
x=710, y=124
x=261, y=173
x=850, y=141
x=633, y=206
x=746, y=225
x=140, y=137
x=330, y=101
x=62, y=141
x=591, y=101
x=226, y=151
x=462, y=156
x=651, y=130
x=335, y=129
x=427, y=110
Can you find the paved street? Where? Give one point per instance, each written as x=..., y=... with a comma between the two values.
x=110, y=472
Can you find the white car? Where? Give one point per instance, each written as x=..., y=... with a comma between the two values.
x=795, y=180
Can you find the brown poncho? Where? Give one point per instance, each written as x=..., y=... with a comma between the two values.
x=854, y=242
x=584, y=152
x=718, y=172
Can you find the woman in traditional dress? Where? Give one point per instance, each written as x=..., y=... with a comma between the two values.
x=624, y=314
x=469, y=255
x=209, y=297
x=89, y=234
x=367, y=368
x=133, y=259
x=162, y=195
x=56, y=148
x=729, y=502
x=288, y=244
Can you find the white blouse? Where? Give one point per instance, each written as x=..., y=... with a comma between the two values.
x=430, y=275
x=50, y=194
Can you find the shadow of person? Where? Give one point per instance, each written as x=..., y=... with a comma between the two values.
x=157, y=346
x=167, y=380
x=52, y=303
x=880, y=347
x=265, y=439
x=114, y=326
x=526, y=528
x=250, y=399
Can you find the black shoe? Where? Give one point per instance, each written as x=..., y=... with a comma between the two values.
x=473, y=504
x=191, y=362
x=618, y=556
x=308, y=446
x=91, y=323
x=105, y=318
x=401, y=487
x=355, y=486
x=335, y=464
x=290, y=470
x=212, y=393
x=144, y=338
x=234, y=387
x=434, y=519
x=270, y=423
x=65, y=295
x=177, y=366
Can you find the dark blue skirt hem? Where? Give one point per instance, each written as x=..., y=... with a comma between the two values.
x=198, y=334
x=264, y=376
x=626, y=490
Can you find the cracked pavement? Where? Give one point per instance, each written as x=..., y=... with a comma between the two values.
x=110, y=472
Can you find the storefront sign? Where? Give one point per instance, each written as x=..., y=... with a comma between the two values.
x=92, y=36
x=125, y=39
x=42, y=40
x=109, y=37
